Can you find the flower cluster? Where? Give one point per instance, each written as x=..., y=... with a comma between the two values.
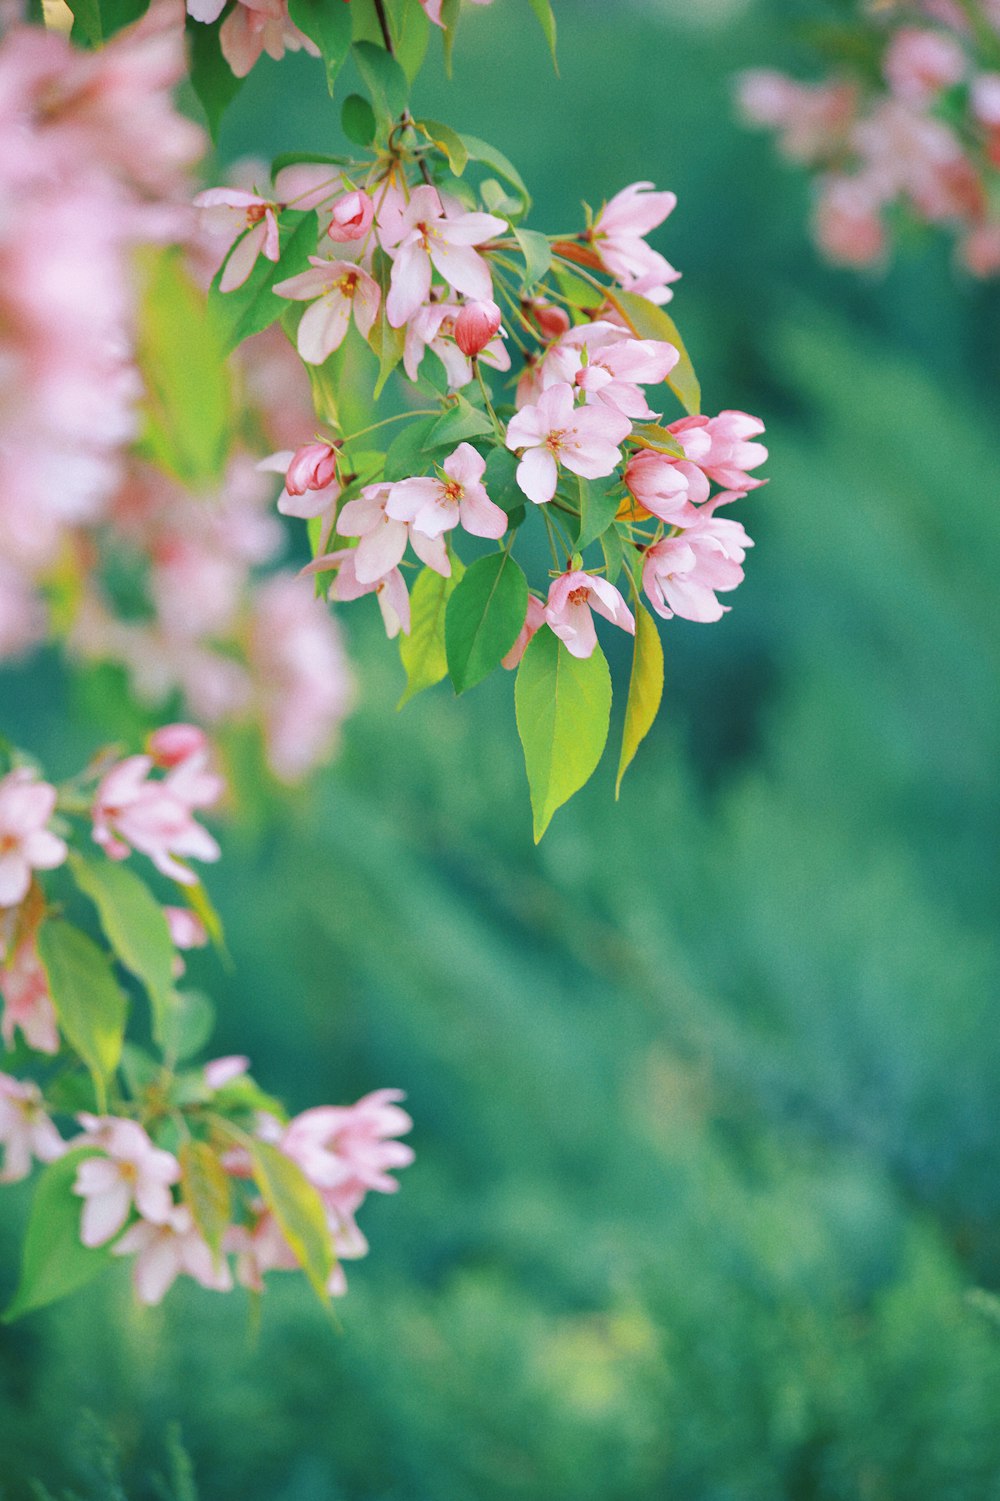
x=918, y=125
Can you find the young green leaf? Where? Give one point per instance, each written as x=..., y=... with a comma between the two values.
x=54, y=1263
x=135, y=927
x=206, y=1191
x=328, y=24
x=410, y=449
x=88, y=1000
x=411, y=32
x=448, y=142
x=611, y=546
x=387, y=84
x=598, y=508
x=537, y=252
x=563, y=706
x=647, y=321
x=298, y=1209
x=357, y=119
x=485, y=615
x=422, y=652
x=500, y=479
x=645, y=689
x=212, y=79
x=252, y=307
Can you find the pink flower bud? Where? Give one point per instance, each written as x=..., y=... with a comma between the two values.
x=187, y=931
x=313, y=467
x=552, y=321
x=173, y=743
x=476, y=325
x=352, y=217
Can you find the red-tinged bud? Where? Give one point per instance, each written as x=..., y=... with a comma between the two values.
x=552, y=321
x=352, y=217
x=173, y=743
x=476, y=325
x=313, y=467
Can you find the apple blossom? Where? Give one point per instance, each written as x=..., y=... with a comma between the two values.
x=682, y=574
x=336, y=289
x=661, y=485
x=26, y=844
x=390, y=589
x=132, y=811
x=553, y=431
x=422, y=237
x=132, y=1173
x=722, y=449
x=433, y=506
x=533, y=622
x=618, y=237
x=351, y=217
x=252, y=217
x=348, y=1150
x=27, y=1004
x=26, y=1132
x=571, y=599
x=166, y=1249
x=383, y=536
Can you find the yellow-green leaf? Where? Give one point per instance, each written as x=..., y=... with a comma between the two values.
x=299, y=1211
x=645, y=689
x=563, y=706
x=422, y=652
x=206, y=1191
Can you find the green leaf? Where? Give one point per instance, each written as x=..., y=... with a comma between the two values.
x=387, y=84
x=451, y=11
x=489, y=156
x=200, y=902
x=645, y=689
x=410, y=450
x=484, y=618
x=189, y=1025
x=54, y=1263
x=411, y=32
x=87, y=998
x=212, y=79
x=298, y=1209
x=537, y=253
x=598, y=509
x=182, y=357
x=563, y=706
x=358, y=120
x=547, y=21
x=448, y=142
x=252, y=307
x=135, y=927
x=577, y=291
x=205, y=1188
x=614, y=558
x=647, y=321
x=459, y=423
x=422, y=652
x=97, y=20
x=328, y=24
x=500, y=480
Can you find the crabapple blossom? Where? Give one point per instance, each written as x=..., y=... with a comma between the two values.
x=533, y=622
x=390, y=590
x=167, y=1249
x=682, y=574
x=722, y=449
x=222, y=1071
x=618, y=238
x=26, y=1132
x=26, y=805
x=27, y=1003
x=131, y=1173
x=383, y=536
x=662, y=486
x=155, y=817
x=421, y=237
x=433, y=506
x=476, y=325
x=173, y=743
x=614, y=371
x=571, y=599
x=919, y=63
x=351, y=217
x=247, y=214
x=433, y=327
x=251, y=29
x=553, y=431
x=336, y=289
x=345, y=1151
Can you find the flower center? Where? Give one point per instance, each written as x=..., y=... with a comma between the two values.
x=451, y=491
x=347, y=285
x=256, y=213
x=554, y=441
x=578, y=596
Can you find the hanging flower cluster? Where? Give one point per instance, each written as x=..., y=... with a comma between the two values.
x=189, y=1170
x=908, y=120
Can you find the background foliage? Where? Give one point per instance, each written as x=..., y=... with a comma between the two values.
x=707, y=1195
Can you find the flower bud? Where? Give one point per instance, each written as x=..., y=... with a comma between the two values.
x=173, y=743
x=313, y=467
x=552, y=321
x=476, y=325
x=352, y=217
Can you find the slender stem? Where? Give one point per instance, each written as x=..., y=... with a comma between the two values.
x=486, y=397
x=552, y=540
x=383, y=21
x=399, y=417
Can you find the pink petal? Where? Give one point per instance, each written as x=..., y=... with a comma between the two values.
x=537, y=475
x=323, y=328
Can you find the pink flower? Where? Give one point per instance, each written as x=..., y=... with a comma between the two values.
x=345, y=1151
x=167, y=1249
x=918, y=64
x=433, y=506
x=305, y=500
x=390, y=590
x=384, y=535
x=572, y=597
x=246, y=214
x=26, y=805
x=552, y=321
x=25, y=1130
x=335, y=288
x=222, y=1071
x=155, y=817
x=553, y=431
x=24, y=988
x=984, y=99
x=133, y=1172
x=173, y=743
x=433, y=327
x=721, y=448
x=422, y=236
x=533, y=622
x=613, y=369
x=812, y=118
x=250, y=29
x=660, y=484
x=476, y=325
x=848, y=223
x=352, y=217
x=618, y=239
x=682, y=574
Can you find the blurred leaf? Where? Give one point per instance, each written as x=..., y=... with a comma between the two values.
x=252, y=307
x=537, y=253
x=328, y=24
x=97, y=20
x=54, y=1263
x=598, y=508
x=299, y=1211
x=212, y=79
x=201, y=903
x=358, y=120
x=563, y=706
x=205, y=1189
x=136, y=928
x=484, y=618
x=422, y=652
x=189, y=1025
x=387, y=84
x=547, y=21
x=647, y=321
x=88, y=1000
x=645, y=689
x=182, y=358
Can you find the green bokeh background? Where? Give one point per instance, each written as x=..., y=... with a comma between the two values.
x=706, y=1201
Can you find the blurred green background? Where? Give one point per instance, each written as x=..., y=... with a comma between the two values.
x=706, y=1201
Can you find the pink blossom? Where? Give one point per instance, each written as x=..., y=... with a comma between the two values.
x=618, y=238
x=849, y=227
x=812, y=118
x=167, y=1249
x=552, y=321
x=610, y=368
x=682, y=574
x=979, y=251
x=571, y=599
x=133, y=1172
x=335, y=288
x=26, y=1132
x=171, y=744
x=476, y=325
x=393, y=600
x=347, y=1150
x=312, y=467
x=721, y=448
x=384, y=534
x=222, y=1071
x=421, y=237
x=131, y=811
x=660, y=484
x=433, y=506
x=307, y=501
x=533, y=622
x=253, y=218
x=187, y=931
x=433, y=327
x=553, y=431
x=919, y=63
x=984, y=99
x=24, y=988
x=351, y=217
x=26, y=805
x=250, y=29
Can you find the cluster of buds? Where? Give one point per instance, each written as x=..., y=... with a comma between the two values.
x=918, y=125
